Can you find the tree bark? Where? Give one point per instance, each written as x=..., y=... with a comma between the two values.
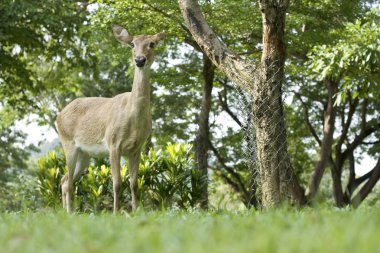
x=264, y=83
x=268, y=108
x=202, y=139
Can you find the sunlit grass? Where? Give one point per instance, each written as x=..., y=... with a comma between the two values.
x=171, y=231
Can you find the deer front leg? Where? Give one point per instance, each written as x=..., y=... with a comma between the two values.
x=116, y=177
x=134, y=161
x=65, y=190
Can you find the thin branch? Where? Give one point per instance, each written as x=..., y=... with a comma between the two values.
x=223, y=101
x=364, y=133
x=188, y=38
x=224, y=82
x=371, y=142
x=364, y=114
x=346, y=125
x=307, y=119
x=227, y=168
x=228, y=180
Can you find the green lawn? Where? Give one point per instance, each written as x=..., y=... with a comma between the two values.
x=278, y=231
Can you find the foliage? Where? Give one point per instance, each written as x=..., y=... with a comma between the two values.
x=285, y=231
x=28, y=31
x=166, y=179
x=13, y=151
x=11, y=155
x=301, y=145
x=354, y=58
x=337, y=40
x=18, y=191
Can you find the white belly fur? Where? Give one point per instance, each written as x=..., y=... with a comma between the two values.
x=93, y=149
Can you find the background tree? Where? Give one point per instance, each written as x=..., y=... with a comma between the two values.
x=351, y=64
x=29, y=32
x=273, y=161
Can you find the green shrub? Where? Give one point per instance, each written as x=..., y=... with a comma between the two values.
x=167, y=179
x=18, y=192
x=51, y=169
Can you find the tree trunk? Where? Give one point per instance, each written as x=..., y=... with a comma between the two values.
x=327, y=141
x=202, y=139
x=264, y=83
x=336, y=173
x=268, y=107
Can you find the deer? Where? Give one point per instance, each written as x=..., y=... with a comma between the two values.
x=118, y=126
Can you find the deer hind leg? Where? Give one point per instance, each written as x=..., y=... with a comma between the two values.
x=134, y=161
x=82, y=162
x=116, y=177
x=67, y=181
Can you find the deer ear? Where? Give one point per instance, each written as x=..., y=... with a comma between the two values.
x=121, y=34
x=159, y=37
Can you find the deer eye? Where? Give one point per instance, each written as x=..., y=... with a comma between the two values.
x=152, y=45
x=132, y=44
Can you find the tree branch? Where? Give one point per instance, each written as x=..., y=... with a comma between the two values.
x=228, y=169
x=228, y=180
x=364, y=133
x=188, y=38
x=367, y=188
x=358, y=181
x=346, y=125
x=307, y=119
x=237, y=69
x=364, y=114
x=223, y=101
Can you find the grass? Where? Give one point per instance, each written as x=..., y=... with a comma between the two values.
x=171, y=231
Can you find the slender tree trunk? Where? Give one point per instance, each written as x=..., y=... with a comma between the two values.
x=336, y=173
x=327, y=141
x=202, y=139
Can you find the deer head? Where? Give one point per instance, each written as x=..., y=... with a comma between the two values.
x=142, y=45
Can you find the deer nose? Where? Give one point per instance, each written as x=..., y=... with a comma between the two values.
x=140, y=61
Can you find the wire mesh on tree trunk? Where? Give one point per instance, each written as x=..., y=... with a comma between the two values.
x=249, y=144
x=261, y=109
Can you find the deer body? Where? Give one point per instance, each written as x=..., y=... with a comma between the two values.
x=117, y=126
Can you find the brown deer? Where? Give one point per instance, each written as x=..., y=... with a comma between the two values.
x=118, y=126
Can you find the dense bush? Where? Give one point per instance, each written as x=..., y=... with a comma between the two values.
x=167, y=179
x=18, y=192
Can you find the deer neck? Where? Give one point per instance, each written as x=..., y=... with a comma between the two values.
x=141, y=86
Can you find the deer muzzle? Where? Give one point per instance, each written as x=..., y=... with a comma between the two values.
x=140, y=61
